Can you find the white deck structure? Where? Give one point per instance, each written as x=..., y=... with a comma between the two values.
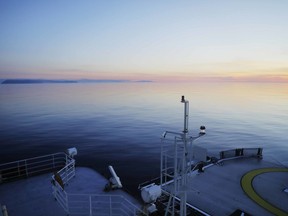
x=218, y=190
x=83, y=192
x=239, y=183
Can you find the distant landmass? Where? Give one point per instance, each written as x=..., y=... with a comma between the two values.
x=144, y=81
x=35, y=81
x=42, y=81
x=103, y=81
x=110, y=81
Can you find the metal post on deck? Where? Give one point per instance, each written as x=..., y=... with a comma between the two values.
x=67, y=204
x=110, y=213
x=161, y=164
x=66, y=170
x=18, y=168
x=183, y=193
x=181, y=165
x=175, y=171
x=90, y=205
x=26, y=168
x=53, y=161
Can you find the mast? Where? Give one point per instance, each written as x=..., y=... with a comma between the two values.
x=182, y=143
x=183, y=194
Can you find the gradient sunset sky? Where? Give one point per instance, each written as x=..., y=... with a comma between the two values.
x=242, y=40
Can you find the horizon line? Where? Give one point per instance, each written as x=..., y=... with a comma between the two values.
x=198, y=79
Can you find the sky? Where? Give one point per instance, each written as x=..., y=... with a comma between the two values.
x=189, y=40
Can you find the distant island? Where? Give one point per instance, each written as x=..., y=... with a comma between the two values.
x=109, y=81
x=35, y=81
x=102, y=81
x=42, y=81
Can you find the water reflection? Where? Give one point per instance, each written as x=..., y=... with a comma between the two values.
x=120, y=123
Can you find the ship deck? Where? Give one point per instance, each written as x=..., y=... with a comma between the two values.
x=33, y=196
x=251, y=185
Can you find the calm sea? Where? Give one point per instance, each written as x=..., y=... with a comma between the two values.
x=121, y=123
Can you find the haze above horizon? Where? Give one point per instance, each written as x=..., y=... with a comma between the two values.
x=145, y=40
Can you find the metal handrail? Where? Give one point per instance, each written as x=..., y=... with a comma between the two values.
x=238, y=152
x=116, y=204
x=31, y=166
x=92, y=204
x=89, y=204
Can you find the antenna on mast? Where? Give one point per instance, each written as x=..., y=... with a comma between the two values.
x=186, y=114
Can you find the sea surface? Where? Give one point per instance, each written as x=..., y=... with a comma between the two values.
x=120, y=124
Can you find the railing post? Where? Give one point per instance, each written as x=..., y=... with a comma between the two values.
x=67, y=204
x=18, y=168
x=66, y=170
x=110, y=213
x=90, y=205
x=74, y=173
x=53, y=161
x=26, y=168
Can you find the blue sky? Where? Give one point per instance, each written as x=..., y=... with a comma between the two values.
x=157, y=40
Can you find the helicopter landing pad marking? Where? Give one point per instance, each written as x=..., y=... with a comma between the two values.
x=246, y=183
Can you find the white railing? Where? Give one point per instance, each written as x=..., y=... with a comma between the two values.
x=239, y=152
x=73, y=204
x=88, y=204
x=32, y=166
x=60, y=179
x=92, y=204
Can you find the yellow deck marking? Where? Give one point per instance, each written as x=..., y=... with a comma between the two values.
x=246, y=183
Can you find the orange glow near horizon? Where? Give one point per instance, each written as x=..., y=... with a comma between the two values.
x=191, y=41
x=169, y=77
x=221, y=71
x=210, y=72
